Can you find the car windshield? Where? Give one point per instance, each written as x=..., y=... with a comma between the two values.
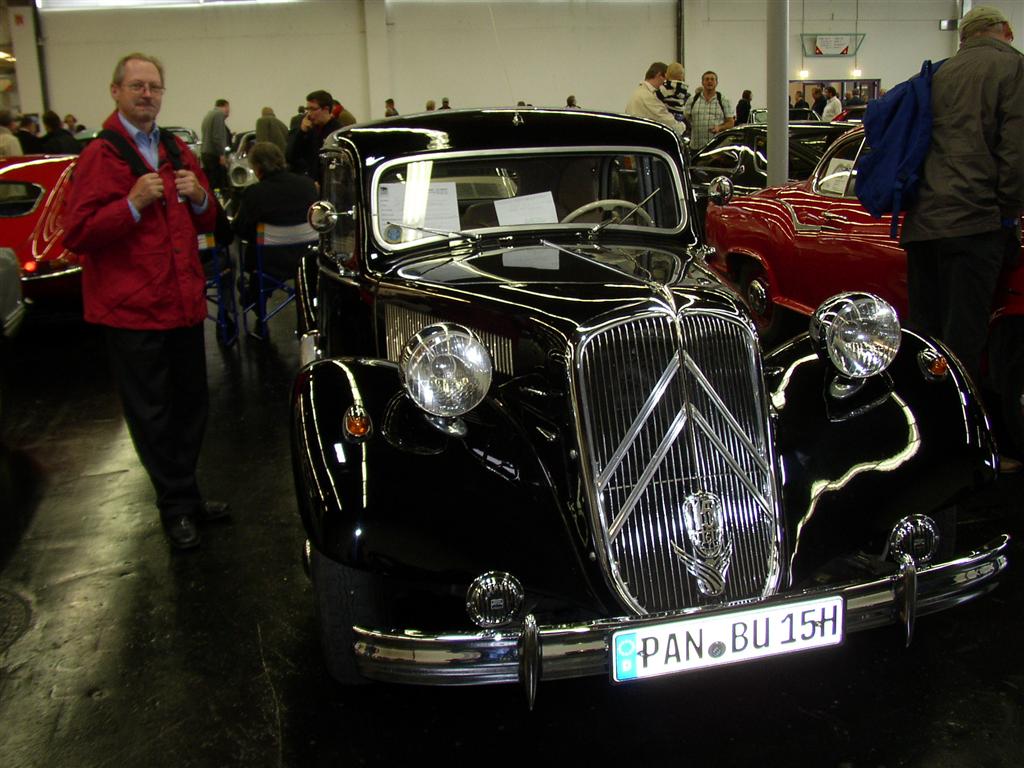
x=18, y=198
x=438, y=196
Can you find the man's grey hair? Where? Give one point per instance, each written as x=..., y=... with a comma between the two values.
x=118, y=77
x=6, y=118
x=266, y=157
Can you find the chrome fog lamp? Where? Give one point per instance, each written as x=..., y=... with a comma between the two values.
x=494, y=599
x=859, y=331
x=917, y=536
x=446, y=369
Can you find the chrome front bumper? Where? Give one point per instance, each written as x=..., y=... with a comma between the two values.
x=530, y=652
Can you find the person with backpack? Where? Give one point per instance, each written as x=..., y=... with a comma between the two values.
x=709, y=112
x=964, y=224
x=138, y=199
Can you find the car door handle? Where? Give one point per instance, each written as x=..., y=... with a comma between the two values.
x=833, y=216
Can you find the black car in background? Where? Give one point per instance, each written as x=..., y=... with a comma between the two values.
x=741, y=155
x=536, y=437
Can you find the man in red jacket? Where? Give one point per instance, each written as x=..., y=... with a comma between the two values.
x=143, y=282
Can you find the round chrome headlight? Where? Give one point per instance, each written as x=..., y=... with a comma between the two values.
x=446, y=369
x=860, y=332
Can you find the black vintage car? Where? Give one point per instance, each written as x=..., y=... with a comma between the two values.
x=741, y=155
x=535, y=437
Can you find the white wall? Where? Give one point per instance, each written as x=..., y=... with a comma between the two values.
x=254, y=56
x=364, y=51
x=490, y=54
x=727, y=36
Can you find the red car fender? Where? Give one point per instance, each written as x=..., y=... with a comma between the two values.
x=739, y=236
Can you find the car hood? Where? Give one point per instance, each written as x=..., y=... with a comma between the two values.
x=549, y=263
x=552, y=293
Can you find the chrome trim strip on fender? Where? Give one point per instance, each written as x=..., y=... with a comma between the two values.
x=582, y=649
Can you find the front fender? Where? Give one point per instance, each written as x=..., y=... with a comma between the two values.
x=853, y=466
x=417, y=504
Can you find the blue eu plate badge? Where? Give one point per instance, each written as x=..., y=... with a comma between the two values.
x=625, y=656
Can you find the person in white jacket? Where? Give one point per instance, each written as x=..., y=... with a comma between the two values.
x=832, y=107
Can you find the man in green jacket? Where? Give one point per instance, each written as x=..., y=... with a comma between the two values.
x=965, y=223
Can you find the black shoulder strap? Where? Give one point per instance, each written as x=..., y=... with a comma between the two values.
x=173, y=150
x=721, y=106
x=125, y=149
x=131, y=155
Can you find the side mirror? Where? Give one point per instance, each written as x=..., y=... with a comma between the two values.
x=322, y=215
x=719, y=190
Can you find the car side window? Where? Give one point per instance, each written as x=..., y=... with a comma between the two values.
x=837, y=173
x=723, y=157
x=18, y=198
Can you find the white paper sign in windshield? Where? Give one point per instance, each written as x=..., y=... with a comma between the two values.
x=406, y=204
x=527, y=209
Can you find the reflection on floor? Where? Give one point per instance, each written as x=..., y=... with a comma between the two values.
x=115, y=651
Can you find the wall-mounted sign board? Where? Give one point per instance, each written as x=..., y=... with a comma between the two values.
x=831, y=43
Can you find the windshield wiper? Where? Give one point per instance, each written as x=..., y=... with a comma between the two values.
x=614, y=220
x=432, y=231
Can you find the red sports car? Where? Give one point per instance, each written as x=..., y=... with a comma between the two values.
x=796, y=245
x=32, y=190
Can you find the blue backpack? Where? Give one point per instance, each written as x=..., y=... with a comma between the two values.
x=898, y=129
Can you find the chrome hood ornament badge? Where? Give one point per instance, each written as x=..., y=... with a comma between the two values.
x=712, y=546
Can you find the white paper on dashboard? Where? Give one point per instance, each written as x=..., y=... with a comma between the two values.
x=534, y=258
x=441, y=210
x=527, y=209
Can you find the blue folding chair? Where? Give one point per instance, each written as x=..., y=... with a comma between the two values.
x=220, y=292
x=279, y=249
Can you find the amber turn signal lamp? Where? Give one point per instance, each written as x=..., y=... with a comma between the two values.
x=30, y=266
x=357, y=422
x=938, y=366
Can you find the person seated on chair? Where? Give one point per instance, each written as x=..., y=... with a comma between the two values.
x=279, y=197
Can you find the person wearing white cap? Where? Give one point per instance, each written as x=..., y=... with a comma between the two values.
x=965, y=224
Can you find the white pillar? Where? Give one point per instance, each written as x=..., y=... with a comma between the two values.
x=379, y=85
x=778, y=91
x=27, y=74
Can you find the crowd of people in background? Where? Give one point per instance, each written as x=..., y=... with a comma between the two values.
x=22, y=135
x=675, y=107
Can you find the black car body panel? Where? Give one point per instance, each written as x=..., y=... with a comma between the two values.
x=741, y=155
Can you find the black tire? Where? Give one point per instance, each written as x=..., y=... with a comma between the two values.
x=1012, y=387
x=344, y=597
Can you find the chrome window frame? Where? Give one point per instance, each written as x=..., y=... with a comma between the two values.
x=396, y=249
x=837, y=145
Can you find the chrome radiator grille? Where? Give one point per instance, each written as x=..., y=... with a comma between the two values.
x=673, y=420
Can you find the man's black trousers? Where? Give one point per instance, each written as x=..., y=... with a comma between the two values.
x=950, y=285
x=161, y=376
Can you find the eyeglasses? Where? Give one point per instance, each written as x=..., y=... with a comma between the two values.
x=136, y=87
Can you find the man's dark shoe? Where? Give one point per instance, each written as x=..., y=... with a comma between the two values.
x=213, y=510
x=182, y=532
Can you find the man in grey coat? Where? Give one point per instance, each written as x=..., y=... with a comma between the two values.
x=965, y=223
x=269, y=128
x=213, y=151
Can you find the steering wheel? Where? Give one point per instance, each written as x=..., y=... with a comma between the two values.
x=609, y=204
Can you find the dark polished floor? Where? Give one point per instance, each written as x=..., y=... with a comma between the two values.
x=115, y=651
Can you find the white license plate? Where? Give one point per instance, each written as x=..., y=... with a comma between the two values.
x=726, y=638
